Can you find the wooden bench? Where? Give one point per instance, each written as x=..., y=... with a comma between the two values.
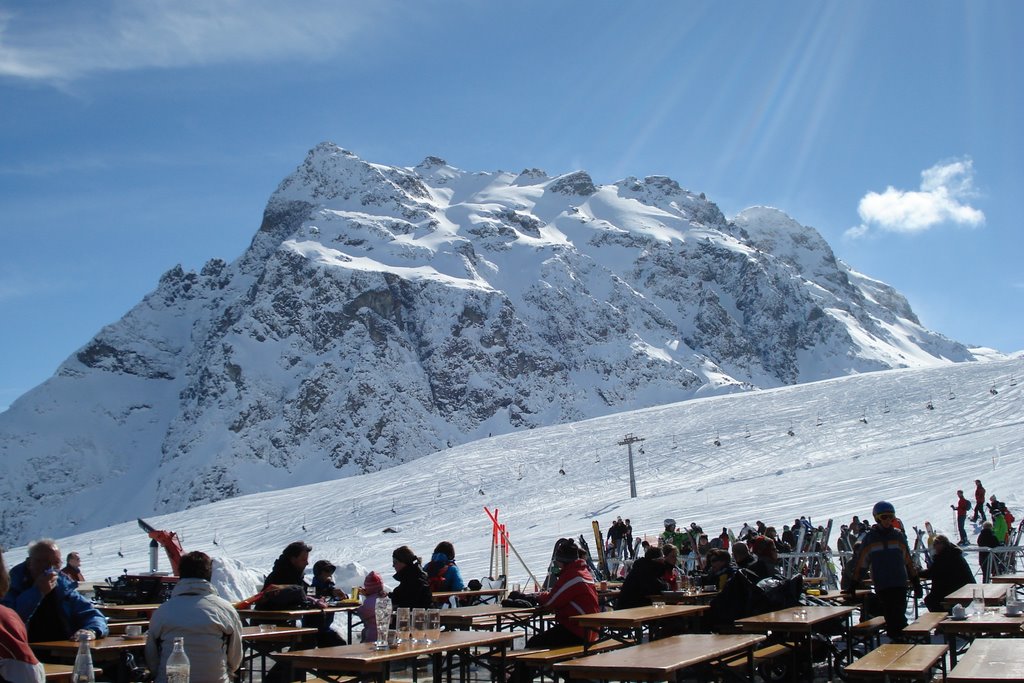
x=922, y=628
x=762, y=655
x=898, y=660
x=541, y=659
x=868, y=632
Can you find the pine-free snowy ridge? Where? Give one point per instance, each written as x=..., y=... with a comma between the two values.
x=384, y=313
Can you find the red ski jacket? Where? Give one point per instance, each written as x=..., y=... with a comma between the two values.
x=574, y=593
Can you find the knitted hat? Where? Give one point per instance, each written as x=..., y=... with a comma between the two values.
x=372, y=584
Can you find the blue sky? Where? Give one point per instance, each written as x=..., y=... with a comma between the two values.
x=140, y=135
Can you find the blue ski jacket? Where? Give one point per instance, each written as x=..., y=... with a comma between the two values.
x=24, y=598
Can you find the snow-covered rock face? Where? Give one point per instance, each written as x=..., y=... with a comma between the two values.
x=384, y=313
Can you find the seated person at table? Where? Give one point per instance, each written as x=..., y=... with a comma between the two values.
x=574, y=593
x=73, y=568
x=671, y=573
x=719, y=571
x=949, y=571
x=47, y=601
x=767, y=558
x=741, y=555
x=209, y=624
x=289, y=569
x=645, y=578
x=885, y=550
x=323, y=580
x=373, y=588
x=442, y=572
x=18, y=664
x=413, y=589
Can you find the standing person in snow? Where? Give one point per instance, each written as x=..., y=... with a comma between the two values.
x=442, y=572
x=987, y=561
x=979, y=501
x=208, y=623
x=949, y=571
x=413, y=587
x=671, y=536
x=630, y=550
x=885, y=549
x=18, y=664
x=962, y=506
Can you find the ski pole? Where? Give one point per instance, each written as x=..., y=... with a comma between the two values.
x=519, y=557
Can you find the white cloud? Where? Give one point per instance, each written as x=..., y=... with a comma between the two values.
x=62, y=41
x=943, y=197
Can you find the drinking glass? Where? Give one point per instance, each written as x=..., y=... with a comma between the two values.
x=419, y=624
x=978, y=600
x=403, y=624
x=433, y=625
x=382, y=612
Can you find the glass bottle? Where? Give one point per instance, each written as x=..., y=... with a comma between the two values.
x=83, y=673
x=177, y=663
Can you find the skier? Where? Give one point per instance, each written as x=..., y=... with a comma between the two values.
x=979, y=501
x=961, y=507
x=886, y=550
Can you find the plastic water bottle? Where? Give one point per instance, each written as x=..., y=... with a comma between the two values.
x=83, y=673
x=177, y=663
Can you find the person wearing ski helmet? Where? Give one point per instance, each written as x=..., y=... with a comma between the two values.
x=885, y=552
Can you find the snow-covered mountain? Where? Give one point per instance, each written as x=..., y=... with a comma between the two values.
x=384, y=313
x=856, y=440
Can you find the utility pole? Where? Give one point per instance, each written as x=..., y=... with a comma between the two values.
x=628, y=442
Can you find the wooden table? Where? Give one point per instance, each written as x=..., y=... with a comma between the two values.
x=103, y=650
x=701, y=597
x=254, y=617
x=261, y=641
x=467, y=617
x=484, y=595
x=995, y=594
x=364, y=660
x=1017, y=579
x=623, y=624
x=128, y=612
x=991, y=660
x=798, y=623
x=662, y=660
x=897, y=660
x=991, y=623
x=61, y=673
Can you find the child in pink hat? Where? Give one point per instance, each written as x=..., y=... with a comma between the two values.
x=373, y=587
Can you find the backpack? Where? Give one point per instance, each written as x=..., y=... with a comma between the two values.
x=1008, y=516
x=285, y=598
x=436, y=578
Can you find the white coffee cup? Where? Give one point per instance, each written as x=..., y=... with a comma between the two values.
x=133, y=630
x=1012, y=610
x=958, y=611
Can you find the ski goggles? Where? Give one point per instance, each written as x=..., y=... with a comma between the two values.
x=885, y=516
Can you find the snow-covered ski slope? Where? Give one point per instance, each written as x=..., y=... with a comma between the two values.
x=855, y=440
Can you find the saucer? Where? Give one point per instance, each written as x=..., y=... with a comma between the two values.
x=956, y=618
x=138, y=637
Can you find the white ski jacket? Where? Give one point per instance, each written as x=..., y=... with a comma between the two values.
x=210, y=626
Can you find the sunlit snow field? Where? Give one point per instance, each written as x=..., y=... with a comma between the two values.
x=855, y=440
